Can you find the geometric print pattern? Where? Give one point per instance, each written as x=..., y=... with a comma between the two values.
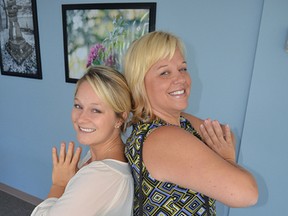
x=162, y=198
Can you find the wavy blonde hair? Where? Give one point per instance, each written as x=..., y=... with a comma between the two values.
x=141, y=55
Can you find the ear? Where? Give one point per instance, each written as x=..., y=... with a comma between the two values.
x=121, y=120
x=124, y=116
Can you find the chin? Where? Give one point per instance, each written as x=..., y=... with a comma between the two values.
x=181, y=107
x=83, y=141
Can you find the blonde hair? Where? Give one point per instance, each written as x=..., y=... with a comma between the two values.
x=141, y=55
x=111, y=86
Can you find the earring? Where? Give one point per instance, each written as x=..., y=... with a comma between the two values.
x=118, y=124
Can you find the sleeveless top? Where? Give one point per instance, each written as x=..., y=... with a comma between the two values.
x=162, y=198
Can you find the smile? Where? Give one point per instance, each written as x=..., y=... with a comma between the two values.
x=87, y=130
x=176, y=93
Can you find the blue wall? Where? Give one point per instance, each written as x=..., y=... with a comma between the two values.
x=264, y=141
x=238, y=65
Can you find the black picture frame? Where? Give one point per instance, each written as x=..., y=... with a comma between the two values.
x=106, y=29
x=20, y=49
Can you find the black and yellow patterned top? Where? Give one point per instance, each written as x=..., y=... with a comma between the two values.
x=162, y=198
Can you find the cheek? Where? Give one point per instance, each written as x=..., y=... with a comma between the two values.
x=151, y=85
x=189, y=79
x=152, y=92
x=73, y=116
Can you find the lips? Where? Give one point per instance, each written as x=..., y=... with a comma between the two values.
x=87, y=130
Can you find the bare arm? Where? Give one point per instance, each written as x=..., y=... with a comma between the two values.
x=170, y=153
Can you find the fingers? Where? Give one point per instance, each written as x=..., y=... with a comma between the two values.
x=66, y=158
x=228, y=134
x=217, y=130
x=70, y=152
x=205, y=135
x=213, y=133
x=219, y=138
x=76, y=157
x=62, y=152
x=54, y=156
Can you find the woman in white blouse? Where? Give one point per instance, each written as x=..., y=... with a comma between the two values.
x=102, y=183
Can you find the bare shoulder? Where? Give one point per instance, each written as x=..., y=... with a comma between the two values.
x=167, y=147
x=165, y=135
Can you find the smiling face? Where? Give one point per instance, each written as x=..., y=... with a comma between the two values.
x=168, y=85
x=94, y=121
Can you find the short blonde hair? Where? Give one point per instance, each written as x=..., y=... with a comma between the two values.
x=141, y=55
x=111, y=86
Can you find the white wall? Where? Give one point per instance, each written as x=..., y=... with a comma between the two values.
x=222, y=40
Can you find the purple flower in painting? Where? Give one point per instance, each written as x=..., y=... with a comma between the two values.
x=96, y=55
x=110, y=61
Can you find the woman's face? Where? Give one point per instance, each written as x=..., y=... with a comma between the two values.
x=168, y=86
x=94, y=121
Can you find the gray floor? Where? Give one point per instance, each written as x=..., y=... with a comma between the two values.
x=13, y=206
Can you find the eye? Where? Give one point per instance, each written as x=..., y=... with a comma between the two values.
x=164, y=73
x=77, y=106
x=184, y=69
x=94, y=110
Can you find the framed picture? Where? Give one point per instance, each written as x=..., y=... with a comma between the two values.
x=20, y=51
x=99, y=34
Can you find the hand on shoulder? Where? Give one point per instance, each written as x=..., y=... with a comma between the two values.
x=219, y=139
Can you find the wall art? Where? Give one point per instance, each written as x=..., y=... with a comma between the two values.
x=99, y=34
x=20, y=50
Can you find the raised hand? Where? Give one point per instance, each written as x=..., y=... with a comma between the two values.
x=219, y=138
x=64, y=166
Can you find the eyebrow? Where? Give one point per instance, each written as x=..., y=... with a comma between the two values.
x=162, y=66
x=96, y=104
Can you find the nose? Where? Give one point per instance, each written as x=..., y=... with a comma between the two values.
x=84, y=115
x=81, y=116
x=180, y=78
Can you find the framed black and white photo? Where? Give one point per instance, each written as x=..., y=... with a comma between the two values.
x=95, y=34
x=20, y=51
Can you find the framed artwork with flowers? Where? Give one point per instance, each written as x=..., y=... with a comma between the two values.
x=99, y=34
x=19, y=39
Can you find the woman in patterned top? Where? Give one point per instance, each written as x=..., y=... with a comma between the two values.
x=181, y=173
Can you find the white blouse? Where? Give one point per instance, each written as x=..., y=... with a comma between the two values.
x=99, y=188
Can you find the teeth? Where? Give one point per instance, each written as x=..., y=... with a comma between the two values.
x=87, y=130
x=177, y=92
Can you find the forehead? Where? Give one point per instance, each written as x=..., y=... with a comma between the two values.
x=176, y=59
x=86, y=92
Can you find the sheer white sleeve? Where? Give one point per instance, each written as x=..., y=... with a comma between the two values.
x=100, y=188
